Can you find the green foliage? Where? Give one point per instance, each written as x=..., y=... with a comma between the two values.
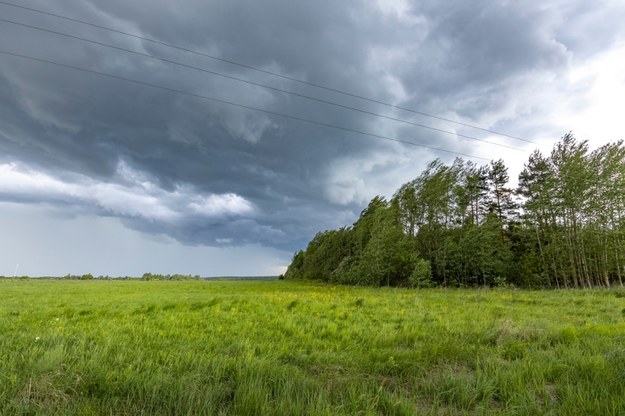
x=292, y=348
x=374, y=252
x=323, y=254
x=294, y=271
x=153, y=276
x=421, y=276
x=566, y=230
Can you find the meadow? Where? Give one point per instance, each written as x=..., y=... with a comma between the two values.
x=293, y=348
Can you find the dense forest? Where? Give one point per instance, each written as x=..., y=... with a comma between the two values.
x=462, y=225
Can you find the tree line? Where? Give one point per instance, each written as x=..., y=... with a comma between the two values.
x=563, y=226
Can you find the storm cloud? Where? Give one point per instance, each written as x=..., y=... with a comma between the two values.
x=210, y=174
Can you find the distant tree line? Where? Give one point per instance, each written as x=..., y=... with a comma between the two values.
x=462, y=225
x=176, y=276
x=89, y=276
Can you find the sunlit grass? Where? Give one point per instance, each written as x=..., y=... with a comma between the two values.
x=251, y=348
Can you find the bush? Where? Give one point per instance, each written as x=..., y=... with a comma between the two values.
x=421, y=276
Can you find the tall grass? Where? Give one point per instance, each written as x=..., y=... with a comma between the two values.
x=285, y=348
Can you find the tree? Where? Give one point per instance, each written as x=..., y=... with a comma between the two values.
x=460, y=225
x=473, y=192
x=500, y=197
x=323, y=255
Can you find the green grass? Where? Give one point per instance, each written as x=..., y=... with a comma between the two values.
x=286, y=348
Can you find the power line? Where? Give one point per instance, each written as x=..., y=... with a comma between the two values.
x=233, y=104
x=146, y=55
x=264, y=71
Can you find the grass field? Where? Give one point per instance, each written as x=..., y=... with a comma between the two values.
x=285, y=348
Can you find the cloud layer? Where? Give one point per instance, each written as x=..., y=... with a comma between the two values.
x=133, y=197
x=205, y=173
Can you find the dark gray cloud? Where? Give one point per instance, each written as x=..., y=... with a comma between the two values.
x=211, y=174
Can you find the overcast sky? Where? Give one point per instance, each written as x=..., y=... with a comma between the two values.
x=107, y=176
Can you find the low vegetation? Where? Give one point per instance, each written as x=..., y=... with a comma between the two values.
x=177, y=276
x=137, y=347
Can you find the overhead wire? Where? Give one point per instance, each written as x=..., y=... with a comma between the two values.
x=231, y=103
x=264, y=71
x=215, y=73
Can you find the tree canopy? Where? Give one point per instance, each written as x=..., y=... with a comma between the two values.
x=463, y=225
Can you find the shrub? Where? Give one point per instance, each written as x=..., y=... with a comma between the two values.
x=421, y=276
